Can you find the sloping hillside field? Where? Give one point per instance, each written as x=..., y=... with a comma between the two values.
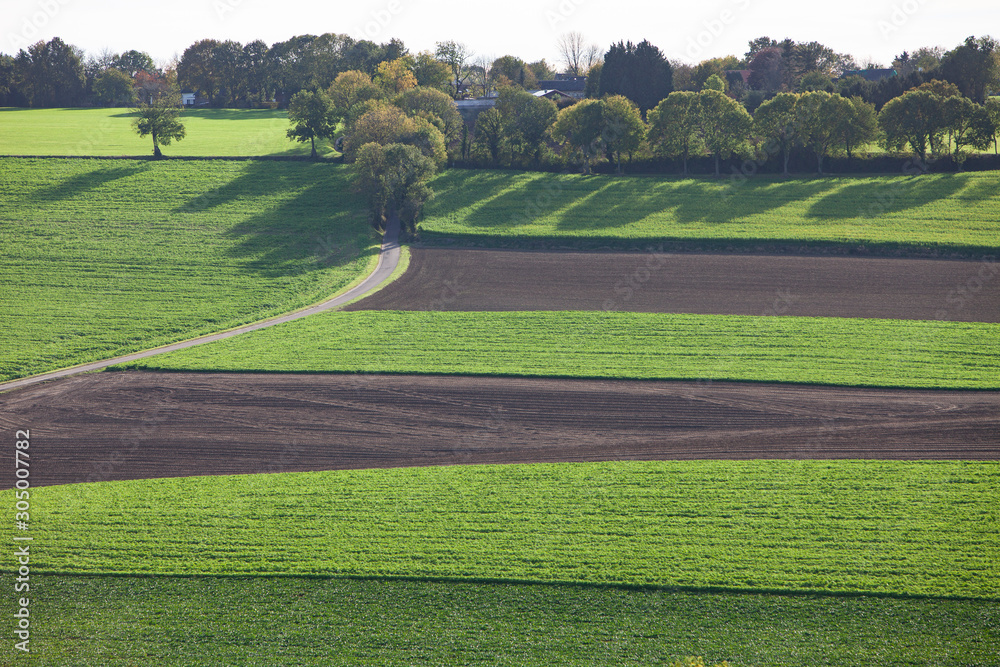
x=782, y=459
x=931, y=213
x=105, y=257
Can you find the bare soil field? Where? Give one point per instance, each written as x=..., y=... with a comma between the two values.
x=131, y=425
x=504, y=280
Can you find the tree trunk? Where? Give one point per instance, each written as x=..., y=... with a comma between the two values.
x=685, y=164
x=312, y=156
x=788, y=154
x=156, y=147
x=716, y=165
x=618, y=156
x=819, y=162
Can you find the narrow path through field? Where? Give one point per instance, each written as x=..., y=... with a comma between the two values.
x=131, y=425
x=388, y=259
x=505, y=280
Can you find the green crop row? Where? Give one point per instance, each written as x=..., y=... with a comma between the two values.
x=897, y=353
x=906, y=528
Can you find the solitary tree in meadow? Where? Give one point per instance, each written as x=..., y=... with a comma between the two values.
x=314, y=117
x=159, y=119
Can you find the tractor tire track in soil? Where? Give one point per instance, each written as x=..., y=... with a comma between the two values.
x=505, y=280
x=132, y=425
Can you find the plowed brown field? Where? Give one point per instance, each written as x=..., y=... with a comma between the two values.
x=503, y=280
x=111, y=426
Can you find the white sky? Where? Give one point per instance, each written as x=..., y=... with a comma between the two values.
x=689, y=31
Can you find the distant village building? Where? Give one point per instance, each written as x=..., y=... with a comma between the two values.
x=554, y=95
x=470, y=109
x=574, y=86
x=188, y=98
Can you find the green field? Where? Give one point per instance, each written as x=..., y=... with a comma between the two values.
x=883, y=527
x=84, y=621
x=102, y=258
x=947, y=212
x=99, y=132
x=837, y=351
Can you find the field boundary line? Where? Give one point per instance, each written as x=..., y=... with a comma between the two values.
x=388, y=259
x=619, y=585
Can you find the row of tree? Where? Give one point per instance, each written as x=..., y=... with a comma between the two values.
x=231, y=74
x=934, y=117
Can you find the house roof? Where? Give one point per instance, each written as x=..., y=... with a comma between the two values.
x=550, y=93
x=575, y=85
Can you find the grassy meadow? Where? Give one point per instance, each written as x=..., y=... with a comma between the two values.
x=123, y=621
x=102, y=258
x=755, y=562
x=108, y=132
x=814, y=350
x=943, y=212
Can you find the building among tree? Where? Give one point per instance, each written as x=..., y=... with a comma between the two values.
x=574, y=86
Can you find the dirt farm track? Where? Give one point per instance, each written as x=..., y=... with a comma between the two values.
x=129, y=425
x=113, y=426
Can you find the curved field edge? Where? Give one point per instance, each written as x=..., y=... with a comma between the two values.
x=401, y=267
x=928, y=214
x=284, y=620
x=812, y=350
x=882, y=527
x=105, y=259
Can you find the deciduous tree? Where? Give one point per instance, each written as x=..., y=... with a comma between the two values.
x=915, y=118
x=350, y=89
x=114, y=88
x=581, y=127
x=50, y=74
x=456, y=56
x=526, y=119
x=974, y=67
x=623, y=127
x=313, y=117
x=969, y=124
x=724, y=124
x=775, y=120
x=430, y=72
x=434, y=106
x=395, y=76
x=674, y=127
x=577, y=54
x=490, y=133
x=859, y=126
x=159, y=120
x=818, y=116
x=393, y=178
